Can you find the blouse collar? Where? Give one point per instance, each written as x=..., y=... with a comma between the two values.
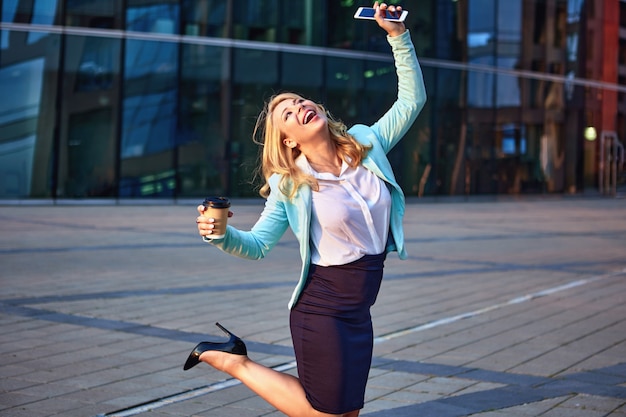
x=305, y=166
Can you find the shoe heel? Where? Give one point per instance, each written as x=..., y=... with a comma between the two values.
x=225, y=330
x=234, y=346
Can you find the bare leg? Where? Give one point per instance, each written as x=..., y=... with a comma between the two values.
x=281, y=390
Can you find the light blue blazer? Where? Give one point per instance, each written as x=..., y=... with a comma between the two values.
x=281, y=212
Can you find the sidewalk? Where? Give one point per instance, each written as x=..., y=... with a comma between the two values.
x=504, y=308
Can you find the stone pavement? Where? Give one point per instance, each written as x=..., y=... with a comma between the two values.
x=504, y=308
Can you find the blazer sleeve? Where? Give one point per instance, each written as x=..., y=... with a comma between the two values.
x=267, y=231
x=394, y=124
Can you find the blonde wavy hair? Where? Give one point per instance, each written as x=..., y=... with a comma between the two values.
x=278, y=158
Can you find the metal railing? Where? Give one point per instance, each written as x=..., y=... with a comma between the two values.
x=611, y=166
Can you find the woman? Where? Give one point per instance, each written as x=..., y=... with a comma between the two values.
x=336, y=190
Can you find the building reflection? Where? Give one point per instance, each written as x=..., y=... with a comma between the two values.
x=158, y=98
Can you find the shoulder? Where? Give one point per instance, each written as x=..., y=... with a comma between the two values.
x=365, y=135
x=274, y=180
x=280, y=188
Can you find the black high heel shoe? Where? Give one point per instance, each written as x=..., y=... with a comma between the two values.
x=234, y=345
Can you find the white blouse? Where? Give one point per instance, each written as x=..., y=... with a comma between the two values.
x=350, y=214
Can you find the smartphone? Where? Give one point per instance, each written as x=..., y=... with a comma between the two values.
x=368, y=13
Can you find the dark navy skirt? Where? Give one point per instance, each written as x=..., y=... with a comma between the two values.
x=331, y=328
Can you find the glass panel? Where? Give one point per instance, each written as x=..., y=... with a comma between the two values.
x=98, y=63
x=158, y=17
x=42, y=12
x=508, y=92
x=28, y=76
x=45, y=11
x=105, y=14
x=9, y=11
x=256, y=77
x=16, y=159
x=551, y=143
x=204, y=17
x=345, y=79
x=88, y=142
x=302, y=74
x=255, y=66
x=90, y=155
x=265, y=20
x=481, y=25
x=509, y=38
x=447, y=127
x=380, y=91
x=346, y=31
x=560, y=24
x=494, y=46
x=481, y=43
x=18, y=125
x=256, y=20
x=480, y=84
x=509, y=22
x=202, y=163
x=149, y=119
x=378, y=95
x=481, y=174
x=533, y=179
x=574, y=10
x=294, y=14
x=512, y=138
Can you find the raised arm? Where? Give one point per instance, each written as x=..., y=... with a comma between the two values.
x=394, y=124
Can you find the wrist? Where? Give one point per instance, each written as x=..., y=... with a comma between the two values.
x=394, y=33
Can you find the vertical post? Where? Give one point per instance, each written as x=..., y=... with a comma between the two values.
x=120, y=101
x=601, y=163
x=58, y=118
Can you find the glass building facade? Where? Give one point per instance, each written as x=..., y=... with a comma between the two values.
x=158, y=98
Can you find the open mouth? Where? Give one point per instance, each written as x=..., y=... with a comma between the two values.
x=308, y=116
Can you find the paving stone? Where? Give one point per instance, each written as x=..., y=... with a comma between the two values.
x=101, y=317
